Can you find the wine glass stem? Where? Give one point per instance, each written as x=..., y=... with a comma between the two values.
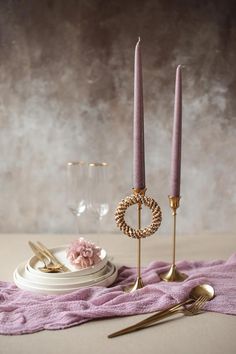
x=98, y=230
x=77, y=224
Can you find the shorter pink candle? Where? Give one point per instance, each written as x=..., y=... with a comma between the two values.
x=175, y=173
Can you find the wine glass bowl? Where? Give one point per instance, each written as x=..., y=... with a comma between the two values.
x=76, y=187
x=87, y=188
x=97, y=189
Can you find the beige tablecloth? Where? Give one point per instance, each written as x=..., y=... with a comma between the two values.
x=209, y=333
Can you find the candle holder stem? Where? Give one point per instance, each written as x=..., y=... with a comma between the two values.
x=173, y=273
x=139, y=257
x=139, y=282
x=174, y=236
x=139, y=240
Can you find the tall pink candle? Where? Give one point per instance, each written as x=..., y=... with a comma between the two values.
x=175, y=174
x=138, y=142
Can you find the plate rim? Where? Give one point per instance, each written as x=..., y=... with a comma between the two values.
x=46, y=291
x=76, y=272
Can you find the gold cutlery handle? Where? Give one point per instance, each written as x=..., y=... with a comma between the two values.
x=37, y=253
x=137, y=326
x=193, y=309
x=152, y=319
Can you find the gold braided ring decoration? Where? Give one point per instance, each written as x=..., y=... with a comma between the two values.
x=138, y=199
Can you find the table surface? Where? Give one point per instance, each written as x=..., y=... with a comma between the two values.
x=208, y=333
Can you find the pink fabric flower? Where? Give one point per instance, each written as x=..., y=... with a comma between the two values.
x=83, y=253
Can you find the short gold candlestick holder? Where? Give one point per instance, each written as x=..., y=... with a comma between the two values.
x=173, y=273
x=138, y=197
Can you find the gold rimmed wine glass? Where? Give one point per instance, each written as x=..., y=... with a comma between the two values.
x=76, y=190
x=98, y=194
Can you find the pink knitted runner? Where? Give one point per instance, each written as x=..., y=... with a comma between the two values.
x=24, y=312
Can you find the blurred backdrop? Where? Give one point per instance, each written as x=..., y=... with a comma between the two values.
x=66, y=93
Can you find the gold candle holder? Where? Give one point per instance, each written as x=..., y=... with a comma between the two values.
x=140, y=199
x=173, y=273
x=139, y=281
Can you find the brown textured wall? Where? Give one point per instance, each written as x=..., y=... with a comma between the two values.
x=66, y=93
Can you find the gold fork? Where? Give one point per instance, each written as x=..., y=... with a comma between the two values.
x=193, y=309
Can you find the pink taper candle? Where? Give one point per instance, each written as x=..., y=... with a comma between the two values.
x=176, y=138
x=138, y=153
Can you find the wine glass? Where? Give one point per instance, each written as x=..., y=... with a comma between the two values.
x=98, y=194
x=88, y=196
x=76, y=190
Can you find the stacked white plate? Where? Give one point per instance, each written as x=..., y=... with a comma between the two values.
x=28, y=275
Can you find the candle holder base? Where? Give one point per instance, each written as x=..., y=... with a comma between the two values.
x=138, y=197
x=173, y=274
x=137, y=285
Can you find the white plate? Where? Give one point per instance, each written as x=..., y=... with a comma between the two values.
x=60, y=253
x=40, y=277
x=24, y=276
x=75, y=282
x=25, y=284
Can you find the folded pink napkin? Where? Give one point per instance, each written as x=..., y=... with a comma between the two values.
x=24, y=312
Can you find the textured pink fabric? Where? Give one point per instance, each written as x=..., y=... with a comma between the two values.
x=24, y=312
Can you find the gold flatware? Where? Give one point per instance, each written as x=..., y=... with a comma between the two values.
x=49, y=270
x=41, y=256
x=53, y=259
x=193, y=309
x=37, y=253
x=200, y=294
x=51, y=263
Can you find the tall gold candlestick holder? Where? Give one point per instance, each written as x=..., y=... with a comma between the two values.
x=138, y=197
x=139, y=281
x=173, y=273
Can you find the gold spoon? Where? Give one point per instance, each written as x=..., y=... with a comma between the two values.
x=204, y=290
